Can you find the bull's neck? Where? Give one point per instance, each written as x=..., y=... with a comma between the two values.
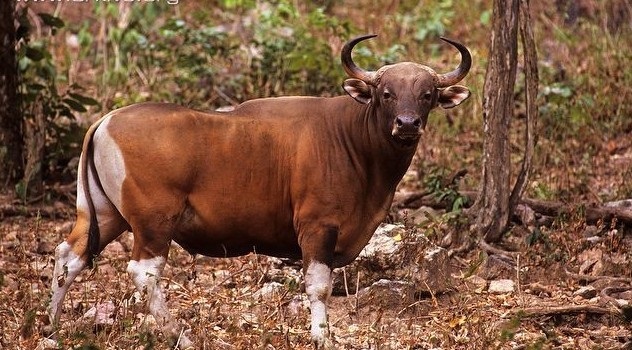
x=377, y=159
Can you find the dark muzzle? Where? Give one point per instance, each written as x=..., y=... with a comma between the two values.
x=407, y=127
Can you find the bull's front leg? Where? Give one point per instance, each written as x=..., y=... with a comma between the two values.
x=318, y=249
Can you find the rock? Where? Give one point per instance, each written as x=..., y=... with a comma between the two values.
x=591, y=231
x=103, y=314
x=586, y=292
x=594, y=239
x=477, y=283
x=269, y=291
x=388, y=293
x=501, y=286
x=496, y=267
x=595, y=262
x=393, y=253
x=383, y=242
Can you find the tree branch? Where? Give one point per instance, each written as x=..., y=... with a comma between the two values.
x=563, y=309
x=593, y=213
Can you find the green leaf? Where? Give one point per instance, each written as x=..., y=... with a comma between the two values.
x=85, y=100
x=51, y=20
x=485, y=18
x=75, y=105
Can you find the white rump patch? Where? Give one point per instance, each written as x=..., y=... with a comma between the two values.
x=109, y=160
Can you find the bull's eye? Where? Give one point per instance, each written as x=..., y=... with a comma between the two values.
x=386, y=95
x=427, y=96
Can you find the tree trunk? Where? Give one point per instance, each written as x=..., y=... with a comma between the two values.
x=531, y=81
x=492, y=206
x=496, y=201
x=10, y=116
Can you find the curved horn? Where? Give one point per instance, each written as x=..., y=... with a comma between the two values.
x=451, y=78
x=349, y=66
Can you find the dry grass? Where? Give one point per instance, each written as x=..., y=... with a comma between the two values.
x=219, y=301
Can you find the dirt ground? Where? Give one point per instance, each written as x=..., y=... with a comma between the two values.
x=233, y=304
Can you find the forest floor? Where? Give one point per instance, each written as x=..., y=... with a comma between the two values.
x=565, y=296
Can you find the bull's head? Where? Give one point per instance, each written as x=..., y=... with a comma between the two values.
x=404, y=93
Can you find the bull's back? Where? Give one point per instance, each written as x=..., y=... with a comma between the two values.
x=217, y=184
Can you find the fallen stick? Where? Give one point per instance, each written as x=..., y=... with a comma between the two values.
x=561, y=310
x=592, y=212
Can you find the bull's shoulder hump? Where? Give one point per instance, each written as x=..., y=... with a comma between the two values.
x=147, y=109
x=289, y=106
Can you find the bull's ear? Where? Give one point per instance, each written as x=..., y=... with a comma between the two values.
x=452, y=96
x=358, y=89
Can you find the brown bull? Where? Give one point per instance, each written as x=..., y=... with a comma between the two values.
x=298, y=177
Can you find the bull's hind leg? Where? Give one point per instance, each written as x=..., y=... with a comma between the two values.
x=70, y=259
x=73, y=254
x=145, y=269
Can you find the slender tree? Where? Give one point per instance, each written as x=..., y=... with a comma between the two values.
x=497, y=200
x=10, y=118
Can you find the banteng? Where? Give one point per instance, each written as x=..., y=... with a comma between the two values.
x=297, y=177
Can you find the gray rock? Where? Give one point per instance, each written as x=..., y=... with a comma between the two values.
x=394, y=253
x=389, y=293
x=103, y=314
x=501, y=286
x=586, y=292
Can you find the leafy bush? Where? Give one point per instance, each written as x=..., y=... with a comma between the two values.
x=52, y=131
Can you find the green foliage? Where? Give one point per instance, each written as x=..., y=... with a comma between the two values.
x=269, y=50
x=292, y=56
x=49, y=112
x=445, y=190
x=579, y=97
x=433, y=20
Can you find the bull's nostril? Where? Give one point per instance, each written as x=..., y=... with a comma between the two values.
x=399, y=122
x=417, y=122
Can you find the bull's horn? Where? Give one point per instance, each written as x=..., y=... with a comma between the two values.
x=350, y=68
x=449, y=79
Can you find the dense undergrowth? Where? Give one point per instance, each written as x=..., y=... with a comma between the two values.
x=224, y=52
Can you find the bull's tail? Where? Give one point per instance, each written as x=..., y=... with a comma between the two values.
x=87, y=164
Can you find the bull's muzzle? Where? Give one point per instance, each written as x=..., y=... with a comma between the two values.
x=407, y=127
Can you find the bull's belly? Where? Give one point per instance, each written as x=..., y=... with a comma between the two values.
x=228, y=238
x=233, y=248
